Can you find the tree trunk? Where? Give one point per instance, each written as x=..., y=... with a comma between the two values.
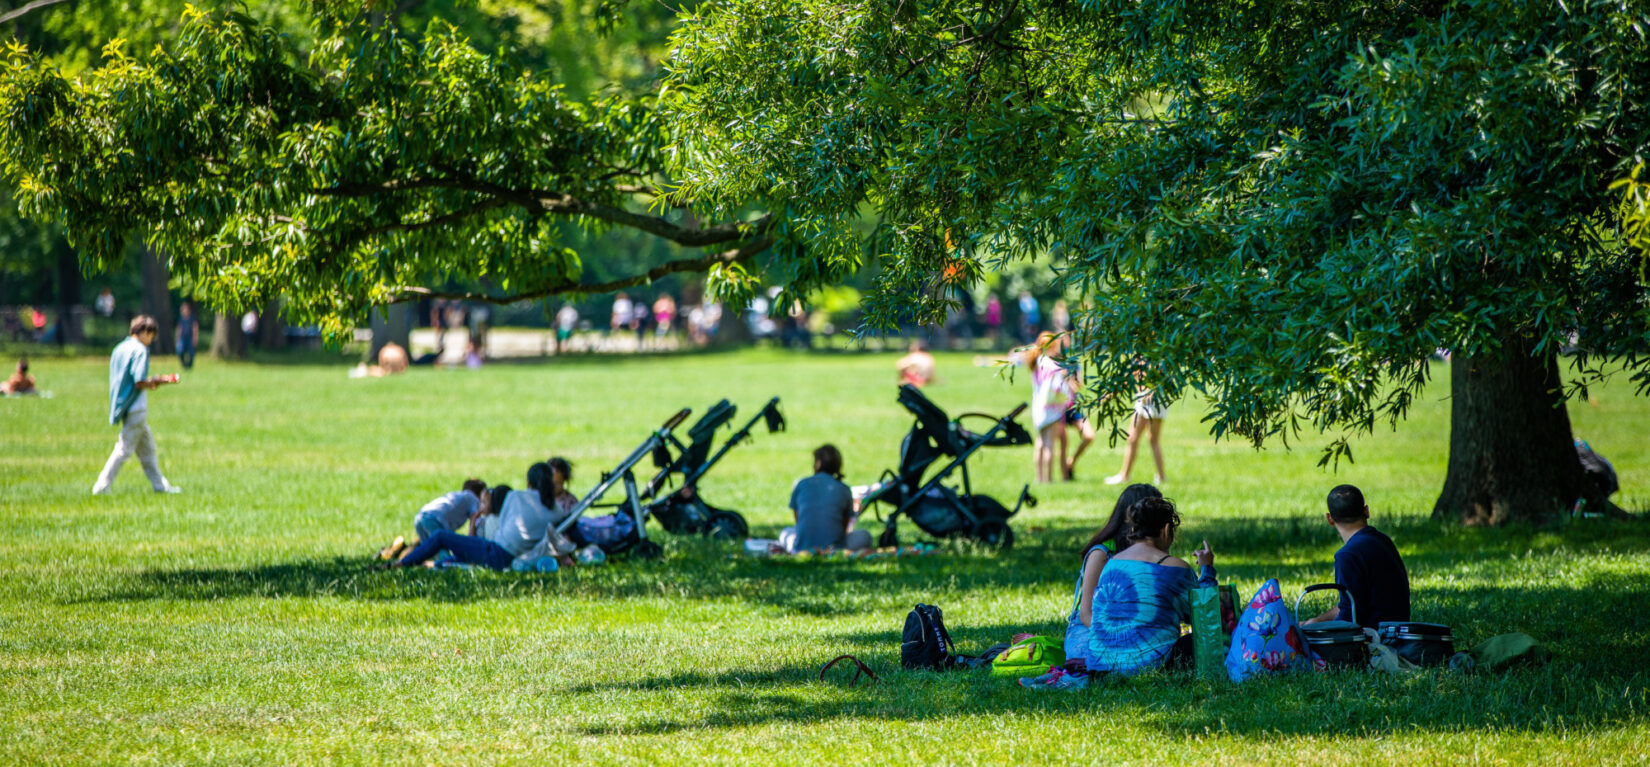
x=157, y=299
x=1512, y=457
x=271, y=330
x=391, y=323
x=68, y=298
x=228, y=342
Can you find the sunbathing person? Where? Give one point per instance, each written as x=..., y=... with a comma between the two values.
x=1144, y=594
x=1096, y=553
x=453, y=510
x=20, y=382
x=1367, y=564
x=823, y=509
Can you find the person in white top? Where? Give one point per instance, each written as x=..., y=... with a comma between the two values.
x=1050, y=394
x=129, y=386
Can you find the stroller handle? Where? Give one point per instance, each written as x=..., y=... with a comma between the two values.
x=676, y=420
x=1015, y=413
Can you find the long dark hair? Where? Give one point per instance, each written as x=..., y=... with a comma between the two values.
x=1112, y=531
x=495, y=502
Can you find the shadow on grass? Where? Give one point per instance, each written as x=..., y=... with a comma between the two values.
x=1558, y=697
x=1250, y=550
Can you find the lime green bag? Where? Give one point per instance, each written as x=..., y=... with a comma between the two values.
x=1029, y=656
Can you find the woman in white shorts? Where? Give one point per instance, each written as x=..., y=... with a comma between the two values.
x=1148, y=419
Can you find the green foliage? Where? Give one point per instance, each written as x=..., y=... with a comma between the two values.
x=1285, y=207
x=345, y=178
x=241, y=622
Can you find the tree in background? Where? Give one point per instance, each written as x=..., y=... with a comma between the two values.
x=1286, y=207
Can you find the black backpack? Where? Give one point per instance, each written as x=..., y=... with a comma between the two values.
x=926, y=644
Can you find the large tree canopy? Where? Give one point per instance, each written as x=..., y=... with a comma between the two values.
x=1284, y=206
x=355, y=175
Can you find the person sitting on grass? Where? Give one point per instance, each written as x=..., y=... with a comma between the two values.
x=523, y=522
x=823, y=509
x=453, y=510
x=1367, y=564
x=20, y=382
x=1096, y=553
x=1144, y=594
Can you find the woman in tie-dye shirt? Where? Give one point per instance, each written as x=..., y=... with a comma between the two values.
x=1144, y=595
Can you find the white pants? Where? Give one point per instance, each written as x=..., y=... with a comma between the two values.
x=857, y=539
x=135, y=439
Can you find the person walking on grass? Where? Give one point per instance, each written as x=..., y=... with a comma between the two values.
x=1147, y=421
x=1367, y=564
x=1050, y=396
x=189, y=335
x=129, y=386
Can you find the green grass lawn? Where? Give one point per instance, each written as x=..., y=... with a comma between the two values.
x=241, y=622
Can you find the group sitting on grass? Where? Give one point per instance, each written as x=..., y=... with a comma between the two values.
x=507, y=526
x=1132, y=595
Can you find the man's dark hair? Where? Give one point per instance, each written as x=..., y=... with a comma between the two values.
x=475, y=486
x=143, y=323
x=1346, y=504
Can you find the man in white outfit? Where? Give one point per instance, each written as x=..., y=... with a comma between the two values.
x=129, y=385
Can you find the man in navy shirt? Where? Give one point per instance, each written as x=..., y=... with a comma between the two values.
x=1367, y=564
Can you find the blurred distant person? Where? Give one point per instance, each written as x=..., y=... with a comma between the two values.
x=438, y=322
x=696, y=326
x=472, y=355
x=620, y=319
x=994, y=319
x=567, y=320
x=664, y=315
x=105, y=302
x=188, y=335
x=129, y=385
x=917, y=366
x=37, y=320
x=640, y=316
x=1059, y=317
x=392, y=359
x=1031, y=317
x=249, y=325
x=20, y=382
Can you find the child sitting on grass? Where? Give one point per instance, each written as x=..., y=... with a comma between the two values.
x=452, y=510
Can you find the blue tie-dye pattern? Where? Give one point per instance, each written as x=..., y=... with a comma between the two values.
x=1138, y=609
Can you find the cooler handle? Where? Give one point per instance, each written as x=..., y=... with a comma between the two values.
x=1325, y=587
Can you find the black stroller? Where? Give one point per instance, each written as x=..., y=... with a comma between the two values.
x=684, y=511
x=937, y=509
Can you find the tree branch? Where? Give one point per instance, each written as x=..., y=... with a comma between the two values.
x=34, y=6
x=738, y=255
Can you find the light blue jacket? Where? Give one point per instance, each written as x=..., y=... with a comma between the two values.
x=128, y=365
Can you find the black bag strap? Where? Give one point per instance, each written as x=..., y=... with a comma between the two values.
x=862, y=671
x=935, y=622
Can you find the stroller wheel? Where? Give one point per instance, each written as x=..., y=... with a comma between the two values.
x=889, y=537
x=727, y=526
x=993, y=532
x=647, y=550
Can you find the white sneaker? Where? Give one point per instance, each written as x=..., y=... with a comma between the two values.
x=171, y=488
x=103, y=490
x=1115, y=479
x=1160, y=480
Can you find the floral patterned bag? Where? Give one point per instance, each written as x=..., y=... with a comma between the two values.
x=1267, y=639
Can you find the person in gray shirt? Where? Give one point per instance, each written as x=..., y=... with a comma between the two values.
x=823, y=509
x=451, y=511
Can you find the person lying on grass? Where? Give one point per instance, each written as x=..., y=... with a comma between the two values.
x=1096, y=553
x=452, y=510
x=1144, y=594
x=823, y=509
x=1367, y=564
